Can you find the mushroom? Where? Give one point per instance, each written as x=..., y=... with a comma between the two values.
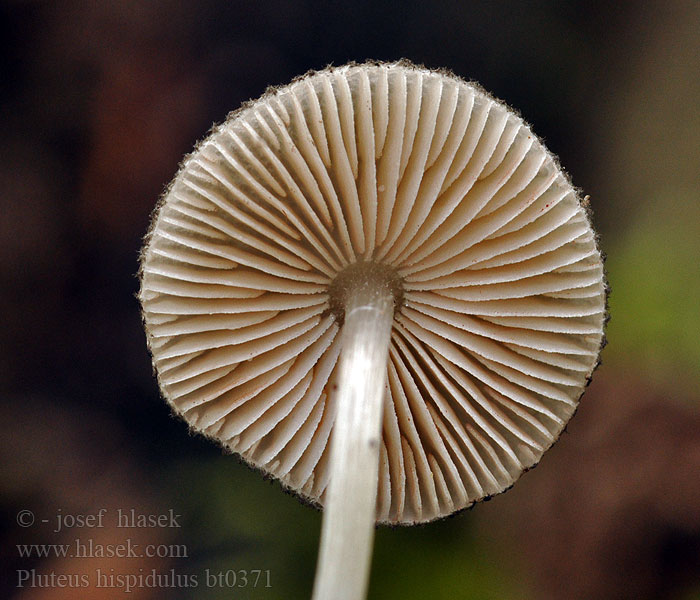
x=376, y=285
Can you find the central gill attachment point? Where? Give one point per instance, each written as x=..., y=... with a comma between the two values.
x=363, y=274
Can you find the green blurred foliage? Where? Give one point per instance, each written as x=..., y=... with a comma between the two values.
x=441, y=561
x=653, y=271
x=237, y=521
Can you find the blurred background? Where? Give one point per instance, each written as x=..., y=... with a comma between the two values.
x=100, y=100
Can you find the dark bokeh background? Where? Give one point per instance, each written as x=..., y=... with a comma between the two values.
x=99, y=102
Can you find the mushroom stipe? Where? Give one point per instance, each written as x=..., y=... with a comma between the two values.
x=377, y=286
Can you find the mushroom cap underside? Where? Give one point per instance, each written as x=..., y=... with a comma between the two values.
x=498, y=283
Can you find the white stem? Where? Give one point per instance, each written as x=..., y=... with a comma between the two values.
x=347, y=532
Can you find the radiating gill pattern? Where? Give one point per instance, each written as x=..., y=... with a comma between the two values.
x=499, y=325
